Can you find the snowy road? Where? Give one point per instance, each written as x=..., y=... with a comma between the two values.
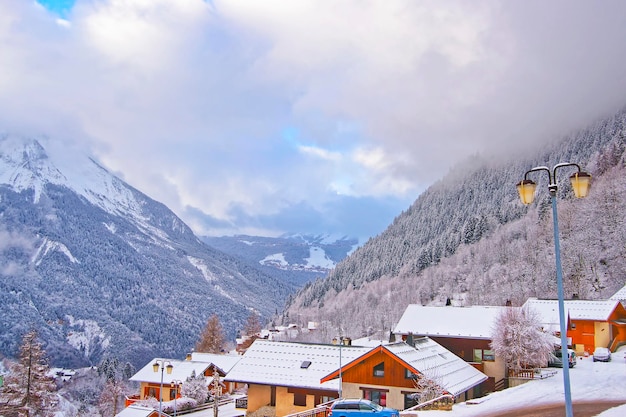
x=590, y=382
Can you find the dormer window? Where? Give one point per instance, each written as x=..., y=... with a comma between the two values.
x=379, y=370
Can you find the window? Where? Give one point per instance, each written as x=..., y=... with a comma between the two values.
x=408, y=374
x=377, y=396
x=379, y=370
x=172, y=394
x=410, y=399
x=299, y=399
x=481, y=355
x=152, y=392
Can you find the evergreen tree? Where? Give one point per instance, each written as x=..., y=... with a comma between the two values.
x=116, y=375
x=28, y=390
x=212, y=337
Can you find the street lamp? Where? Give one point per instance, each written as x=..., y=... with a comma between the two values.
x=340, y=338
x=175, y=384
x=581, y=182
x=164, y=365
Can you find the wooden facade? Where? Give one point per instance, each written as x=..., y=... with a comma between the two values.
x=586, y=335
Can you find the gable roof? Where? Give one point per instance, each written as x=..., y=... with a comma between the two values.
x=432, y=360
x=283, y=363
x=137, y=411
x=620, y=295
x=596, y=310
x=181, y=371
x=473, y=322
x=223, y=362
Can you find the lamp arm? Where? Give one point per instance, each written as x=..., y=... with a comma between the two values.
x=564, y=164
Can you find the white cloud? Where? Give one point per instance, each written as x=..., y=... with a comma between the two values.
x=188, y=99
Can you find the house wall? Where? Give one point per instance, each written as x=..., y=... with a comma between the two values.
x=363, y=373
x=395, y=395
x=261, y=395
x=258, y=396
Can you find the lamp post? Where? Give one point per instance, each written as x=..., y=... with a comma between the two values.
x=175, y=384
x=164, y=365
x=580, y=184
x=340, y=339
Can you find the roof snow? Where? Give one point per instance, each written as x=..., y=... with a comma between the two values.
x=471, y=322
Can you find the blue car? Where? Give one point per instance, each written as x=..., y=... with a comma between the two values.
x=360, y=408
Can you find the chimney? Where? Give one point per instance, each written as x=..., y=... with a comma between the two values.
x=409, y=340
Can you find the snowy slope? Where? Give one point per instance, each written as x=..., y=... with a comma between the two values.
x=101, y=269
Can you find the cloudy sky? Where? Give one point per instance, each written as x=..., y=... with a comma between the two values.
x=267, y=117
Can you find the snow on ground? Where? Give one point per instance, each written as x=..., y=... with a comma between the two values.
x=589, y=381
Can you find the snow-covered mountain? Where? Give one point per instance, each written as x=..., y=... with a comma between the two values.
x=298, y=257
x=100, y=269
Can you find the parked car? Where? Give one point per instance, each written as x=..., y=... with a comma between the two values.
x=601, y=354
x=360, y=408
x=557, y=362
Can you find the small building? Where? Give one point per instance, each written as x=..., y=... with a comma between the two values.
x=294, y=377
x=223, y=362
x=150, y=381
x=138, y=411
x=464, y=331
x=590, y=323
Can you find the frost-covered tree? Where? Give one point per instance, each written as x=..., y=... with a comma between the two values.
x=212, y=337
x=116, y=375
x=428, y=388
x=195, y=387
x=519, y=340
x=28, y=389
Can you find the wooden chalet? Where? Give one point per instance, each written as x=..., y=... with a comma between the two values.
x=150, y=381
x=589, y=323
x=464, y=331
x=294, y=377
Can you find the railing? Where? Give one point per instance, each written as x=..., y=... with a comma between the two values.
x=205, y=406
x=241, y=402
x=501, y=384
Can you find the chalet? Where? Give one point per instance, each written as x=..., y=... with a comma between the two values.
x=224, y=364
x=150, y=381
x=138, y=411
x=464, y=331
x=294, y=377
x=589, y=323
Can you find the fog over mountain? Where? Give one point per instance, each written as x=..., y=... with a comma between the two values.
x=101, y=269
x=468, y=239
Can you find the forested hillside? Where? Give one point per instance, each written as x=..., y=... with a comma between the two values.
x=101, y=270
x=469, y=239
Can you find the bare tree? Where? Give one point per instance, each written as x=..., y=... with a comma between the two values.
x=28, y=390
x=212, y=338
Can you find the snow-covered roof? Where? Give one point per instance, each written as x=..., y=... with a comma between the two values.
x=287, y=364
x=136, y=411
x=181, y=371
x=597, y=310
x=474, y=322
x=620, y=295
x=224, y=362
x=438, y=364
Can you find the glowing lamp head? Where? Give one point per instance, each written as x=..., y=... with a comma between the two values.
x=581, y=183
x=526, y=190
